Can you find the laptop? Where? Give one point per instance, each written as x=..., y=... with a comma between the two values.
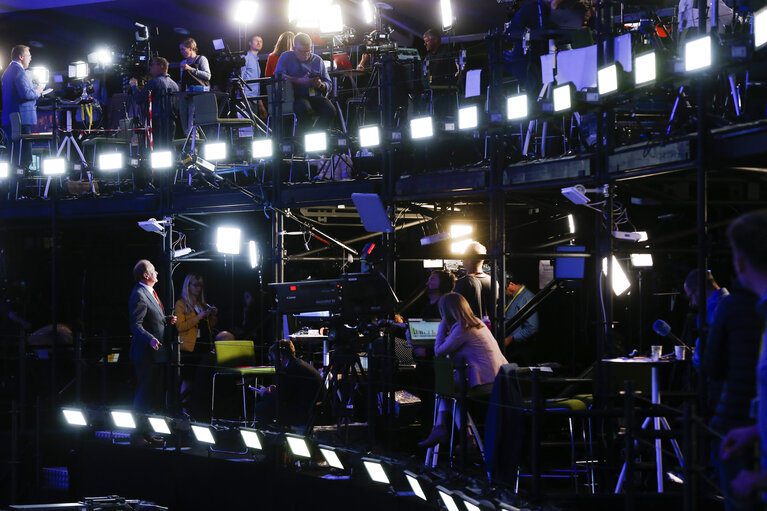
x=423, y=332
x=343, y=62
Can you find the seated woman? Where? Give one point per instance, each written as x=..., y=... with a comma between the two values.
x=461, y=335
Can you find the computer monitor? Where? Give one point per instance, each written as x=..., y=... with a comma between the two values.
x=422, y=331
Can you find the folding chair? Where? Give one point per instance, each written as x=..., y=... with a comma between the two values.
x=236, y=358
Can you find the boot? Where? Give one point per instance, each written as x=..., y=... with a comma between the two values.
x=438, y=435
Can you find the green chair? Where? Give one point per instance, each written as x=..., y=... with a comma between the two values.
x=206, y=114
x=236, y=358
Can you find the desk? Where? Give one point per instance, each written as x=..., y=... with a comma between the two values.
x=658, y=422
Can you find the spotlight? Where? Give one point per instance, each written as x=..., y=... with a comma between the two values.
x=251, y=438
x=563, y=99
x=369, y=136
x=78, y=70
x=123, y=420
x=446, y=11
x=331, y=20
x=316, y=142
x=467, y=118
x=161, y=160
x=331, y=456
x=645, y=70
x=458, y=231
x=39, y=74
x=298, y=446
x=368, y=14
x=760, y=28
x=607, y=79
x=101, y=57
x=641, y=260
x=74, y=417
x=3, y=170
x=516, y=107
x=253, y=254
x=415, y=485
x=110, y=161
x=54, y=166
x=262, y=149
x=215, y=151
x=245, y=12
x=203, y=433
x=421, y=127
x=697, y=54
x=375, y=470
x=619, y=280
x=447, y=497
x=159, y=425
x=228, y=240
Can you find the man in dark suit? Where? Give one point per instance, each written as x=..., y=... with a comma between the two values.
x=148, y=353
x=20, y=96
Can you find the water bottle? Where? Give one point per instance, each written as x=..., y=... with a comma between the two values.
x=486, y=321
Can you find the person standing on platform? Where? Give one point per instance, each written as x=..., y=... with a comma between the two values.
x=148, y=353
x=748, y=239
x=251, y=71
x=284, y=43
x=195, y=69
x=162, y=87
x=20, y=96
x=520, y=344
x=476, y=286
x=714, y=294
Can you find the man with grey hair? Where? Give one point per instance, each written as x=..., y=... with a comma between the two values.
x=307, y=74
x=476, y=286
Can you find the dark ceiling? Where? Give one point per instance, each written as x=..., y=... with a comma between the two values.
x=63, y=34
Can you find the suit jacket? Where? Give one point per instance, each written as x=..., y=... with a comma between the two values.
x=19, y=95
x=147, y=321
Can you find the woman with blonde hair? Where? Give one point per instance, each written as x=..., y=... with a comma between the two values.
x=196, y=319
x=462, y=336
x=284, y=43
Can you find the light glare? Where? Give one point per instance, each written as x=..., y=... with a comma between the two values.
x=607, y=79
x=316, y=142
x=74, y=417
x=619, y=280
x=228, y=240
x=298, y=447
x=571, y=223
x=376, y=471
x=641, y=260
x=446, y=10
x=123, y=419
x=447, y=499
x=421, y=127
x=331, y=20
x=369, y=136
x=415, y=485
x=697, y=54
x=3, y=170
x=332, y=458
x=162, y=160
x=760, y=28
x=245, y=12
x=159, y=425
x=262, y=149
x=516, y=107
x=253, y=254
x=215, y=151
x=562, y=99
x=54, y=166
x=644, y=68
x=457, y=231
x=203, y=434
x=110, y=161
x=467, y=118
x=367, y=12
x=251, y=439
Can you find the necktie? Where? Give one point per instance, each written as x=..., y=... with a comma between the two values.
x=158, y=299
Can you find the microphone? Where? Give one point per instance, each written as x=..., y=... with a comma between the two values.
x=663, y=329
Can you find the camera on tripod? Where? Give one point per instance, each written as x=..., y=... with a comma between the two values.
x=225, y=59
x=379, y=41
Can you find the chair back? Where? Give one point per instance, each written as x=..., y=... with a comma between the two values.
x=15, y=118
x=286, y=95
x=205, y=109
x=444, y=382
x=235, y=353
x=125, y=132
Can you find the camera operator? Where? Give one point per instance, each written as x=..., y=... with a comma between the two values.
x=162, y=88
x=251, y=71
x=195, y=69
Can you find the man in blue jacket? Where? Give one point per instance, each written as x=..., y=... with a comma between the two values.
x=20, y=96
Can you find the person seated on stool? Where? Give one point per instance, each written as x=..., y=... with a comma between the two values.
x=296, y=388
x=307, y=73
x=462, y=336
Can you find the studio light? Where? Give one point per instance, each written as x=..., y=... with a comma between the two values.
x=607, y=79
x=228, y=240
x=215, y=151
x=760, y=28
x=316, y=142
x=516, y=107
x=78, y=69
x=181, y=252
x=54, y=166
x=642, y=236
x=460, y=231
x=645, y=70
x=375, y=470
x=307, y=13
x=245, y=12
x=331, y=20
x=159, y=425
x=571, y=223
x=469, y=503
x=298, y=446
x=110, y=161
x=123, y=420
x=433, y=263
x=641, y=260
x=447, y=497
x=203, y=433
x=421, y=127
x=3, y=170
x=468, y=118
x=253, y=254
x=74, y=417
x=697, y=54
x=446, y=11
x=368, y=14
x=331, y=456
x=563, y=97
x=262, y=149
x=370, y=136
x=251, y=438
x=161, y=160
x=620, y=282
x=39, y=74
x=415, y=485
x=102, y=57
